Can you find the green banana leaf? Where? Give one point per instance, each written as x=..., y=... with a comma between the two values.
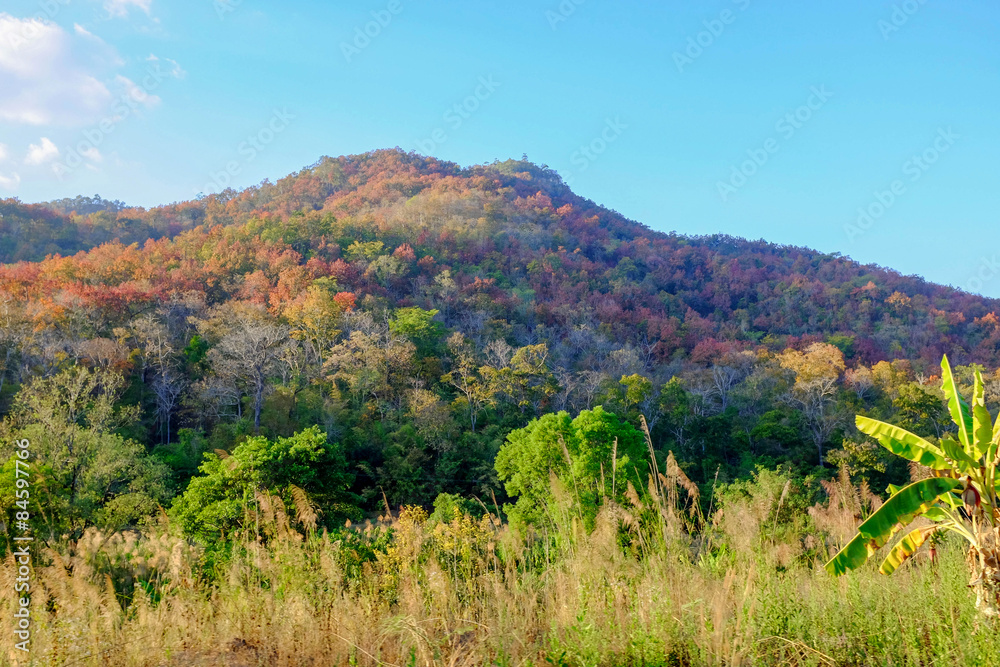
x=952, y=500
x=991, y=451
x=936, y=514
x=906, y=547
x=954, y=451
x=911, y=501
x=996, y=438
x=960, y=413
x=982, y=422
x=901, y=442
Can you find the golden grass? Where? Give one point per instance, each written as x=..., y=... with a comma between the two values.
x=473, y=592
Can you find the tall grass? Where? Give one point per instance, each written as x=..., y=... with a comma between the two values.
x=652, y=584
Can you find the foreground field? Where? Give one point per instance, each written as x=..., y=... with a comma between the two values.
x=408, y=590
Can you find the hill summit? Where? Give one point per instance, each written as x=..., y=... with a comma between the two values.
x=512, y=243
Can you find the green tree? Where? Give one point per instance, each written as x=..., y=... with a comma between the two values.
x=419, y=326
x=920, y=411
x=636, y=390
x=231, y=486
x=593, y=456
x=475, y=392
x=364, y=251
x=84, y=472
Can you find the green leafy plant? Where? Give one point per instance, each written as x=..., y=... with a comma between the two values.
x=301, y=470
x=961, y=497
x=594, y=456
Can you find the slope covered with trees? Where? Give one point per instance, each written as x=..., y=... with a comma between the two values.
x=418, y=312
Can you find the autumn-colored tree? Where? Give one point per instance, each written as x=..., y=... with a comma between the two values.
x=814, y=392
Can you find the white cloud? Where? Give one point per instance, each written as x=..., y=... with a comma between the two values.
x=100, y=52
x=92, y=154
x=3, y=152
x=39, y=154
x=137, y=93
x=42, y=75
x=10, y=182
x=175, y=71
x=120, y=8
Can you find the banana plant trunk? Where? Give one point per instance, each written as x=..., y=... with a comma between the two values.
x=985, y=567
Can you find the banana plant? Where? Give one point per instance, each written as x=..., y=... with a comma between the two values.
x=959, y=497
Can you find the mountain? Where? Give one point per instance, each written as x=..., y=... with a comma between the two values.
x=506, y=243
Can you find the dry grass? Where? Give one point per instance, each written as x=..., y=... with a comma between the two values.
x=473, y=592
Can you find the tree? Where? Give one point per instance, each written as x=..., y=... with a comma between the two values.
x=919, y=411
x=474, y=391
x=636, y=390
x=594, y=456
x=419, y=327
x=861, y=381
x=230, y=487
x=374, y=363
x=86, y=473
x=523, y=379
x=316, y=315
x=675, y=405
x=250, y=354
x=15, y=332
x=960, y=498
x=815, y=390
x=159, y=356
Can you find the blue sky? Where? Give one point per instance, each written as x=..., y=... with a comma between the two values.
x=777, y=120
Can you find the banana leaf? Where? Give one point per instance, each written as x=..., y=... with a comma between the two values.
x=901, y=442
x=982, y=422
x=910, y=502
x=960, y=412
x=996, y=438
x=906, y=547
x=954, y=451
x=936, y=514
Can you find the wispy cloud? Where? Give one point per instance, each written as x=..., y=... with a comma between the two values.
x=42, y=78
x=136, y=92
x=175, y=70
x=10, y=182
x=121, y=8
x=99, y=53
x=92, y=154
x=41, y=153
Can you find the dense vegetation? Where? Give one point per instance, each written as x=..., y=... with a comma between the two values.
x=651, y=584
x=248, y=376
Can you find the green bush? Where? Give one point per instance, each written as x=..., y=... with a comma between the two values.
x=230, y=487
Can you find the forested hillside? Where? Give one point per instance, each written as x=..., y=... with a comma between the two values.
x=418, y=312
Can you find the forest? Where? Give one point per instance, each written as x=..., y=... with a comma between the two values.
x=416, y=366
